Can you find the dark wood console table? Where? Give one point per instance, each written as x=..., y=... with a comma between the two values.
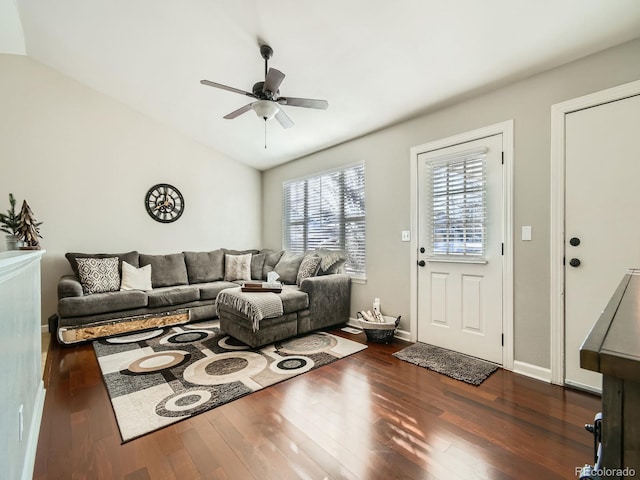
x=613, y=349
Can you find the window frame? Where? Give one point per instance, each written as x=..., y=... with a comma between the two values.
x=447, y=161
x=357, y=273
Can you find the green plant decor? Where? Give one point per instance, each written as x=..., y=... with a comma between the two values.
x=10, y=221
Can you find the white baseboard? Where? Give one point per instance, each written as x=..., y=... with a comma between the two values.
x=34, y=433
x=353, y=322
x=582, y=386
x=403, y=335
x=532, y=371
x=522, y=368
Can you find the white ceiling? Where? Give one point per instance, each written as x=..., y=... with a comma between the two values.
x=376, y=62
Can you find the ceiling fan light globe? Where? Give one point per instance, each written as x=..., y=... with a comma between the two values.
x=265, y=108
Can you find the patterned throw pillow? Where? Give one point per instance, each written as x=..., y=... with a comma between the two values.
x=308, y=268
x=237, y=267
x=98, y=275
x=332, y=261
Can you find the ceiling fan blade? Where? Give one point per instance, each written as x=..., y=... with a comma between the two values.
x=273, y=81
x=303, y=102
x=224, y=87
x=238, y=112
x=284, y=119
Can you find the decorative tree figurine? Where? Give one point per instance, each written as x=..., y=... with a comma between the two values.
x=29, y=229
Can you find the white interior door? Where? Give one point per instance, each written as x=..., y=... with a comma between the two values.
x=602, y=211
x=460, y=290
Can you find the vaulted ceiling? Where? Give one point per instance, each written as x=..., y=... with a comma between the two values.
x=376, y=62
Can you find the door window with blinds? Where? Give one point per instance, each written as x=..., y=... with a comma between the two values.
x=457, y=211
x=327, y=211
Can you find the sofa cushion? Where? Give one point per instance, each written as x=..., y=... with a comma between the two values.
x=166, y=270
x=69, y=286
x=135, y=278
x=288, y=267
x=239, y=252
x=205, y=266
x=257, y=265
x=237, y=267
x=98, y=275
x=293, y=299
x=131, y=258
x=167, y=296
x=308, y=268
x=101, y=303
x=209, y=291
x=271, y=259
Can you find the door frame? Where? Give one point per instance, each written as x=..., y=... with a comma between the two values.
x=558, y=113
x=506, y=129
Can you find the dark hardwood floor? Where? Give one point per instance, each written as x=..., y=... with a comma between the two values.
x=368, y=416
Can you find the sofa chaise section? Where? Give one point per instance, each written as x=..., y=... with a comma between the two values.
x=319, y=302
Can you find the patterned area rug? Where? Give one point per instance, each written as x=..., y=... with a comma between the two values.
x=452, y=364
x=160, y=377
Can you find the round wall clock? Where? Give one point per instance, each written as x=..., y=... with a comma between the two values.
x=164, y=203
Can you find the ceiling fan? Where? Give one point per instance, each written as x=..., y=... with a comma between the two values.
x=267, y=94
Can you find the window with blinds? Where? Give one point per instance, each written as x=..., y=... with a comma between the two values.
x=327, y=211
x=457, y=205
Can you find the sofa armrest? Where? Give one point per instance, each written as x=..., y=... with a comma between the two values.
x=329, y=299
x=69, y=286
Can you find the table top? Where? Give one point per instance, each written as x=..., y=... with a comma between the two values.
x=613, y=345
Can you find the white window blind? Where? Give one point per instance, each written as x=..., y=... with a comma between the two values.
x=327, y=211
x=457, y=205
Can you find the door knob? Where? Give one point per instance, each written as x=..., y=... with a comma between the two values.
x=574, y=262
x=422, y=263
x=575, y=241
x=421, y=249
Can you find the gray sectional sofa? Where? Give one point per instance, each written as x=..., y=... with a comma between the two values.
x=184, y=288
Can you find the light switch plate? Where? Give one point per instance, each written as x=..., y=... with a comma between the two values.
x=406, y=235
x=526, y=232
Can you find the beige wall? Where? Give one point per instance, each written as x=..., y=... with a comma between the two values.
x=386, y=156
x=84, y=162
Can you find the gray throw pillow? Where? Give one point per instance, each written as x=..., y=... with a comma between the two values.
x=204, y=266
x=257, y=265
x=98, y=275
x=271, y=259
x=308, y=268
x=166, y=270
x=288, y=267
x=130, y=257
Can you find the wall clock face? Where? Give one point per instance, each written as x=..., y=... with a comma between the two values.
x=164, y=203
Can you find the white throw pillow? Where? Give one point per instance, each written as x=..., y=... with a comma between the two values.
x=135, y=278
x=237, y=267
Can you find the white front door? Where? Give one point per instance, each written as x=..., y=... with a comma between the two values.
x=602, y=218
x=460, y=244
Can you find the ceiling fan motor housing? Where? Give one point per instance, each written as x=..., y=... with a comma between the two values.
x=257, y=90
x=261, y=94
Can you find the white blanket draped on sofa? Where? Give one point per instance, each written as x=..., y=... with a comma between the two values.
x=255, y=305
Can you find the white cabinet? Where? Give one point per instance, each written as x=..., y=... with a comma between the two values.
x=21, y=385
